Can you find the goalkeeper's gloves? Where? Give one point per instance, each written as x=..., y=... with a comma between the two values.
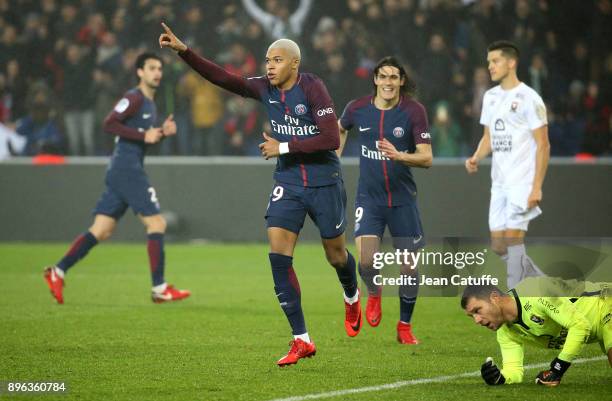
x=491, y=373
x=552, y=377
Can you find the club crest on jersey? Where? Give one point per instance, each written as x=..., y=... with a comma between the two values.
x=398, y=132
x=537, y=319
x=300, y=109
x=499, y=125
x=514, y=106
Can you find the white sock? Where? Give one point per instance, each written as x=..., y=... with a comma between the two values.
x=160, y=288
x=352, y=299
x=516, y=271
x=304, y=337
x=531, y=269
x=59, y=272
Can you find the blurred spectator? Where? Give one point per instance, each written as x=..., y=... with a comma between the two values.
x=11, y=143
x=277, y=21
x=109, y=52
x=479, y=87
x=597, y=130
x=170, y=102
x=79, y=100
x=36, y=40
x=580, y=64
x=445, y=133
x=206, y=113
x=600, y=34
x=39, y=126
x=68, y=25
x=459, y=98
x=415, y=41
x=15, y=91
x=242, y=136
x=435, y=72
x=538, y=75
x=10, y=48
x=573, y=113
x=107, y=92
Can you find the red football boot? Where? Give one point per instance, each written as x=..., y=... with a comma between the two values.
x=299, y=349
x=353, y=317
x=55, y=283
x=404, y=333
x=169, y=294
x=373, y=310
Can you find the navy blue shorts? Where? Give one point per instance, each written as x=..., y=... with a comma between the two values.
x=403, y=221
x=326, y=206
x=127, y=188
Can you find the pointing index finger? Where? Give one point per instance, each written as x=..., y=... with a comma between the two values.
x=168, y=31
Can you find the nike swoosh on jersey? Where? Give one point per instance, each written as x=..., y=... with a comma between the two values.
x=146, y=116
x=364, y=129
x=273, y=101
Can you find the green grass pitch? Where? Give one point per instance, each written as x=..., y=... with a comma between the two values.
x=110, y=342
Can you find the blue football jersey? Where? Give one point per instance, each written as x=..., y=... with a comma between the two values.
x=382, y=181
x=137, y=113
x=294, y=115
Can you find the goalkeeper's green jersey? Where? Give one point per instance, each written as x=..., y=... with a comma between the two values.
x=565, y=316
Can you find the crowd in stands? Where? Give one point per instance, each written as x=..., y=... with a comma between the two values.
x=64, y=64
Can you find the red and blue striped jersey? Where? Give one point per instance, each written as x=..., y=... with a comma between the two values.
x=382, y=181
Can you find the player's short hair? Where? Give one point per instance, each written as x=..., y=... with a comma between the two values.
x=292, y=48
x=508, y=49
x=479, y=292
x=409, y=86
x=142, y=59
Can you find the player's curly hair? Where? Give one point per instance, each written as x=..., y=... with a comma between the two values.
x=409, y=87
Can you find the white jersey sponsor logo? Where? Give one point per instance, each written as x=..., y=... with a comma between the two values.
x=372, y=154
x=286, y=129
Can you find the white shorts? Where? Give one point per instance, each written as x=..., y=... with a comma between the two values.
x=508, y=209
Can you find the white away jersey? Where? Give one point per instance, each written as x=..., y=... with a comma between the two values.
x=511, y=116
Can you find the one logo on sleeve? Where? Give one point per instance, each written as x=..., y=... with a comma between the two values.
x=398, y=132
x=324, y=112
x=425, y=135
x=499, y=125
x=122, y=105
x=300, y=109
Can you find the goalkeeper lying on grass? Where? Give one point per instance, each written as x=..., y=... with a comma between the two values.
x=548, y=312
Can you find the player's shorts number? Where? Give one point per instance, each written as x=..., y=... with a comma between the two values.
x=358, y=214
x=277, y=193
x=153, y=195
